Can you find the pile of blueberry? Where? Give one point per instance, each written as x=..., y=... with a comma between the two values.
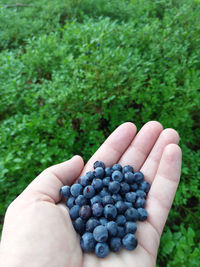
x=104, y=206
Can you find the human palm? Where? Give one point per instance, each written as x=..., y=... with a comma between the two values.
x=38, y=230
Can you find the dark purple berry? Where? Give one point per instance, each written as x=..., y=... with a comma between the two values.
x=97, y=209
x=85, y=212
x=89, y=191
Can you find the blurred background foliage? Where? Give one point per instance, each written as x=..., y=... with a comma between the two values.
x=72, y=71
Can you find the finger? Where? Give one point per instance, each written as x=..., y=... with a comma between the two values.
x=47, y=185
x=164, y=187
x=142, y=144
x=114, y=146
x=150, y=166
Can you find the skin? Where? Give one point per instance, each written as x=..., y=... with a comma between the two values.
x=38, y=231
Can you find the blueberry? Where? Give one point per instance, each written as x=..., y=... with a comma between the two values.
x=107, y=200
x=129, y=177
x=120, y=220
x=106, y=181
x=103, y=221
x=74, y=212
x=125, y=188
x=129, y=241
x=96, y=199
x=130, y=197
x=116, y=197
x=117, y=176
x=134, y=187
x=89, y=191
x=97, y=184
x=85, y=212
x=114, y=187
x=142, y=213
x=99, y=164
x=116, y=167
x=128, y=204
x=131, y=214
x=141, y=193
x=130, y=227
x=120, y=231
x=99, y=172
x=84, y=180
x=70, y=202
x=87, y=242
x=76, y=189
x=112, y=228
x=145, y=186
x=108, y=171
x=104, y=192
x=138, y=176
x=115, y=244
x=101, y=250
x=121, y=207
x=110, y=212
x=98, y=44
x=91, y=224
x=100, y=233
x=127, y=168
x=140, y=202
x=97, y=209
x=90, y=175
x=65, y=191
x=81, y=200
x=79, y=225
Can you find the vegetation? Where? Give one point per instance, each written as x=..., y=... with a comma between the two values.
x=72, y=71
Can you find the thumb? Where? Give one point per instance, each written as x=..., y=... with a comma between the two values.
x=46, y=186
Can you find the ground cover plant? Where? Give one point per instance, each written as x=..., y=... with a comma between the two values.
x=72, y=71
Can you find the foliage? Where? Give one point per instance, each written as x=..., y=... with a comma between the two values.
x=72, y=71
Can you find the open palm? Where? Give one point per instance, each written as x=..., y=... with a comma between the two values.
x=38, y=230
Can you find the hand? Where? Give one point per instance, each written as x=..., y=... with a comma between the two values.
x=38, y=230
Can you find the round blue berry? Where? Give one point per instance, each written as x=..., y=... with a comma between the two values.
x=108, y=172
x=107, y=200
x=130, y=197
x=70, y=202
x=120, y=220
x=120, y=231
x=103, y=221
x=65, y=191
x=100, y=233
x=74, y=212
x=134, y=187
x=138, y=177
x=110, y=212
x=116, y=167
x=106, y=181
x=127, y=168
x=84, y=180
x=89, y=191
x=114, y=187
x=90, y=175
x=85, y=212
x=97, y=184
x=117, y=176
x=81, y=200
x=91, y=224
x=115, y=244
x=130, y=227
x=76, y=189
x=125, y=188
x=97, y=209
x=142, y=213
x=116, y=197
x=99, y=172
x=129, y=241
x=145, y=186
x=96, y=199
x=112, y=228
x=131, y=214
x=129, y=177
x=79, y=225
x=121, y=207
x=128, y=204
x=101, y=250
x=140, y=202
x=99, y=164
x=104, y=192
x=87, y=242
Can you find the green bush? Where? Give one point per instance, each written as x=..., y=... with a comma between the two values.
x=72, y=71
